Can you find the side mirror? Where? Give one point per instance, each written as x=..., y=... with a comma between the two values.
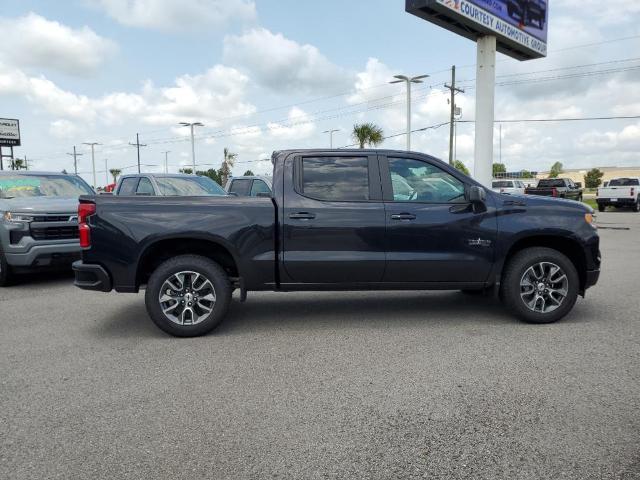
x=476, y=195
x=232, y=194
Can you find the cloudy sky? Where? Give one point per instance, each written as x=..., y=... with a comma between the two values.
x=272, y=74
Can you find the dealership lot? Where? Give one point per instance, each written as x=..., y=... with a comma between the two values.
x=325, y=385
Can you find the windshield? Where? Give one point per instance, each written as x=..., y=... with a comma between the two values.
x=502, y=184
x=623, y=182
x=188, y=186
x=551, y=183
x=19, y=186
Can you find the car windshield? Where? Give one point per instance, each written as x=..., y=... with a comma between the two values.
x=502, y=184
x=188, y=186
x=551, y=183
x=18, y=186
x=624, y=182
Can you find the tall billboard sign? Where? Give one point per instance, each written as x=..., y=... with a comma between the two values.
x=520, y=26
x=9, y=132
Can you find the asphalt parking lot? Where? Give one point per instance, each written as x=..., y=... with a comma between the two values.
x=325, y=385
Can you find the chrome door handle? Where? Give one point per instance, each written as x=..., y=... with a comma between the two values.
x=403, y=216
x=302, y=216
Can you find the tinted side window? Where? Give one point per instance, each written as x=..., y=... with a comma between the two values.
x=417, y=181
x=240, y=187
x=336, y=179
x=128, y=186
x=259, y=187
x=145, y=187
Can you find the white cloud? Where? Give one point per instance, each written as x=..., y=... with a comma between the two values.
x=174, y=15
x=34, y=41
x=64, y=129
x=284, y=65
x=298, y=127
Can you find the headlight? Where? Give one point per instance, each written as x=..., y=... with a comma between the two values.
x=17, y=217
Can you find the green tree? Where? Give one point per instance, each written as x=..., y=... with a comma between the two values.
x=249, y=173
x=17, y=164
x=187, y=171
x=499, y=168
x=227, y=165
x=556, y=170
x=526, y=174
x=212, y=174
x=461, y=166
x=593, y=178
x=367, y=134
x=115, y=173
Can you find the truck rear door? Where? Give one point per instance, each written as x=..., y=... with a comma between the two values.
x=333, y=219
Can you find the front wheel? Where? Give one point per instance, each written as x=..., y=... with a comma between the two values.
x=601, y=208
x=188, y=296
x=540, y=285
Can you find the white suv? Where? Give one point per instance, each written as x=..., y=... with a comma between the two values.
x=508, y=186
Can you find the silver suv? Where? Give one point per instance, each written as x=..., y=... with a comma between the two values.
x=38, y=220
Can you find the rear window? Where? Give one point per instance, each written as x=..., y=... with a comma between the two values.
x=551, y=183
x=624, y=182
x=502, y=184
x=240, y=187
x=336, y=179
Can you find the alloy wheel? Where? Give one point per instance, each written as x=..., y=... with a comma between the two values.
x=543, y=287
x=187, y=298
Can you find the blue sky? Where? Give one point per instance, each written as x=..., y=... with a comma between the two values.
x=102, y=70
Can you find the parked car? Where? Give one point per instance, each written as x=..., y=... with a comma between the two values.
x=249, y=186
x=556, y=187
x=167, y=185
x=527, y=11
x=336, y=221
x=38, y=221
x=620, y=192
x=508, y=186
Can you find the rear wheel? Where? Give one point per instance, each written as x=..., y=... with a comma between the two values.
x=601, y=208
x=188, y=296
x=636, y=206
x=5, y=271
x=540, y=285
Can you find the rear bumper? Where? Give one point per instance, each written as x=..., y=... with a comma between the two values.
x=91, y=277
x=629, y=201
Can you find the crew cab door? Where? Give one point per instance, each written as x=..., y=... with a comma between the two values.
x=333, y=219
x=433, y=233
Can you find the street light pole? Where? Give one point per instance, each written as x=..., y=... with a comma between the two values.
x=106, y=172
x=166, y=161
x=193, y=143
x=330, y=132
x=93, y=160
x=408, y=81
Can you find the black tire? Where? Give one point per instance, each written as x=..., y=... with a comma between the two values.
x=515, y=271
x=580, y=198
x=203, y=266
x=601, y=208
x=6, y=276
x=636, y=206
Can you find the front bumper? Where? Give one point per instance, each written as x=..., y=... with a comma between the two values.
x=91, y=277
x=592, y=278
x=45, y=255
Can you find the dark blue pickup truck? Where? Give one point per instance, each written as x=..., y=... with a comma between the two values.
x=339, y=220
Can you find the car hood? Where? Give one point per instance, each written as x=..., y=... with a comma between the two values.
x=39, y=204
x=548, y=201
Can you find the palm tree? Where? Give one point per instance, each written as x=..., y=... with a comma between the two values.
x=115, y=172
x=367, y=134
x=227, y=165
x=18, y=164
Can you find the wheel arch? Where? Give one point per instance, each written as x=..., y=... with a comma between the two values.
x=162, y=249
x=568, y=246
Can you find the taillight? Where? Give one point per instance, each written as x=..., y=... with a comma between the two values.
x=633, y=192
x=554, y=192
x=85, y=210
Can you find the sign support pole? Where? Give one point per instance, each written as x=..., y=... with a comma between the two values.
x=485, y=94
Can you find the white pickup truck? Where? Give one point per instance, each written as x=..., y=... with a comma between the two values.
x=620, y=192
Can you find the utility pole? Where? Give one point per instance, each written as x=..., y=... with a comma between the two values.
x=452, y=119
x=331, y=132
x=193, y=144
x=93, y=161
x=138, y=145
x=26, y=165
x=106, y=172
x=500, y=148
x=166, y=161
x=408, y=81
x=75, y=156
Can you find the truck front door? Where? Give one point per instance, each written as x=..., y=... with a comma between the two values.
x=333, y=219
x=433, y=233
